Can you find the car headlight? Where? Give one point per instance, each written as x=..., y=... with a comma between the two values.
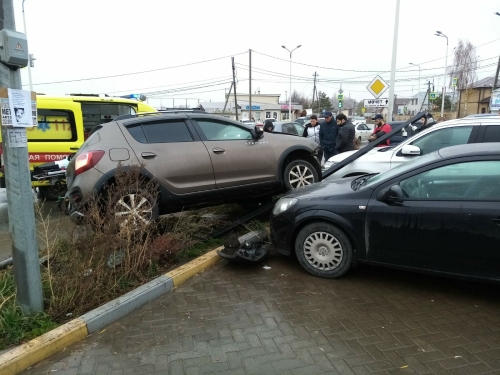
x=283, y=204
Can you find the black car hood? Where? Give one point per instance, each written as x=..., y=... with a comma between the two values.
x=327, y=189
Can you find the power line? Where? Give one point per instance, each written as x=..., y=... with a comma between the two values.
x=174, y=84
x=362, y=71
x=141, y=72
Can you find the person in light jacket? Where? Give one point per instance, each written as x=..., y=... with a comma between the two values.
x=311, y=131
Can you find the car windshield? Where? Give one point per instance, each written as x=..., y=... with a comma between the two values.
x=400, y=169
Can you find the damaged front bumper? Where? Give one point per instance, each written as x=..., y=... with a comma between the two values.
x=250, y=248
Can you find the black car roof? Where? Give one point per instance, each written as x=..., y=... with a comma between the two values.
x=470, y=149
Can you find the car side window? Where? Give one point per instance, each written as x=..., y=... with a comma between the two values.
x=477, y=180
x=289, y=129
x=492, y=133
x=219, y=131
x=443, y=138
x=161, y=132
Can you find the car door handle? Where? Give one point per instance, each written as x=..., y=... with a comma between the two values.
x=148, y=155
x=74, y=148
x=496, y=221
x=218, y=150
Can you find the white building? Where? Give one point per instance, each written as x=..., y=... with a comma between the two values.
x=415, y=103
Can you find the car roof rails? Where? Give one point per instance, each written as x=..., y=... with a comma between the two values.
x=161, y=112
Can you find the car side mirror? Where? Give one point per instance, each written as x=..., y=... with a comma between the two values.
x=393, y=195
x=258, y=132
x=411, y=150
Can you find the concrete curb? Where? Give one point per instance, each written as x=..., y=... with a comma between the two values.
x=20, y=358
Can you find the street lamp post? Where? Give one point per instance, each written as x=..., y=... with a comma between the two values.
x=290, y=94
x=29, y=62
x=418, y=91
x=439, y=33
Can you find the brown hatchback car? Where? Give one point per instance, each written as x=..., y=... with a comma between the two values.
x=196, y=159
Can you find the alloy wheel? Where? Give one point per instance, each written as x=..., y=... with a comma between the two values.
x=323, y=251
x=133, y=209
x=300, y=175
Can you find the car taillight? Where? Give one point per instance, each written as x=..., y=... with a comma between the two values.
x=87, y=160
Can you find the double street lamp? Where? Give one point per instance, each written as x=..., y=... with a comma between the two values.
x=290, y=93
x=439, y=33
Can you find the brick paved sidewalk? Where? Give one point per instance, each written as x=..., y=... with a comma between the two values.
x=248, y=320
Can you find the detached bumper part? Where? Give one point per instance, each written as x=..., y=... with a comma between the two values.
x=250, y=248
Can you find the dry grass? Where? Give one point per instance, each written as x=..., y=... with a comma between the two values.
x=91, y=264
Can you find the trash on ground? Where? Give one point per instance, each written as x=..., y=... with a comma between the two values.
x=252, y=247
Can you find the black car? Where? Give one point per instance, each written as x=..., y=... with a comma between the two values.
x=438, y=213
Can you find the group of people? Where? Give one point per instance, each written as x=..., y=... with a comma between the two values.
x=338, y=135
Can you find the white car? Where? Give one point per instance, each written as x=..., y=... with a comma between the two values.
x=363, y=132
x=356, y=120
x=438, y=136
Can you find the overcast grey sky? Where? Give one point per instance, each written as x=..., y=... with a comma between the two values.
x=349, y=42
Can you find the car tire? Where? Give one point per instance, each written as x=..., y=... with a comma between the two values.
x=324, y=250
x=299, y=173
x=136, y=205
x=52, y=193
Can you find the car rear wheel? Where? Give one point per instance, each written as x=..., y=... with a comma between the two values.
x=323, y=250
x=299, y=173
x=134, y=209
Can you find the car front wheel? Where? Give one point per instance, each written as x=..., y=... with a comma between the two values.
x=299, y=173
x=324, y=250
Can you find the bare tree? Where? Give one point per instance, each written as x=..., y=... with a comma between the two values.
x=464, y=68
x=301, y=99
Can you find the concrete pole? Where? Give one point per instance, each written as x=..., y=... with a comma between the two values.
x=250, y=84
x=392, y=82
x=444, y=78
x=20, y=198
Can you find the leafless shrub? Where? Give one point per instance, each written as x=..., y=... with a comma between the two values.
x=113, y=251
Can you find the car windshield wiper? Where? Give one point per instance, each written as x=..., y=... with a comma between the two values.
x=360, y=181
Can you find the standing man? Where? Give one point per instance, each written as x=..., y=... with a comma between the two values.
x=328, y=136
x=381, y=129
x=345, y=137
x=311, y=131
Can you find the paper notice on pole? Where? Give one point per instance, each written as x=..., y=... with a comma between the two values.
x=22, y=111
x=17, y=138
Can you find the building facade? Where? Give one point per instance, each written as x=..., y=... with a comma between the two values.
x=476, y=98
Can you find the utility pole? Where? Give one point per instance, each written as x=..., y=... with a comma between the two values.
x=27, y=277
x=392, y=82
x=250, y=83
x=234, y=86
x=495, y=85
x=227, y=98
x=314, y=91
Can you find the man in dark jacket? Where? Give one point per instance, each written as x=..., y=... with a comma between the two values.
x=328, y=135
x=345, y=138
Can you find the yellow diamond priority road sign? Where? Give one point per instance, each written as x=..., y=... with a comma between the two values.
x=377, y=87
